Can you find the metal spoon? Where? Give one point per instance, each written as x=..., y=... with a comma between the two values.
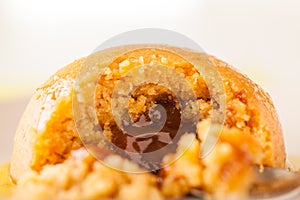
x=275, y=183
x=271, y=183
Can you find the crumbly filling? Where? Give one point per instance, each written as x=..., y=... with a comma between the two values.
x=225, y=171
x=58, y=136
x=184, y=174
x=240, y=115
x=81, y=176
x=127, y=62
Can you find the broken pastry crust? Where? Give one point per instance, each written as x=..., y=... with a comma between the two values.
x=226, y=171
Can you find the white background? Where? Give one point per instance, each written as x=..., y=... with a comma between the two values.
x=260, y=38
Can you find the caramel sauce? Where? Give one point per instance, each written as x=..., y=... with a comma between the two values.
x=143, y=138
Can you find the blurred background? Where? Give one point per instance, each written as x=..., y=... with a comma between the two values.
x=260, y=38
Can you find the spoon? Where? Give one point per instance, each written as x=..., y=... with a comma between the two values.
x=270, y=184
x=275, y=183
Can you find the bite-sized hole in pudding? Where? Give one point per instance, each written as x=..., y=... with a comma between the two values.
x=155, y=119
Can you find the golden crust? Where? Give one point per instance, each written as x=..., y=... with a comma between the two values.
x=259, y=115
x=41, y=104
x=263, y=111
